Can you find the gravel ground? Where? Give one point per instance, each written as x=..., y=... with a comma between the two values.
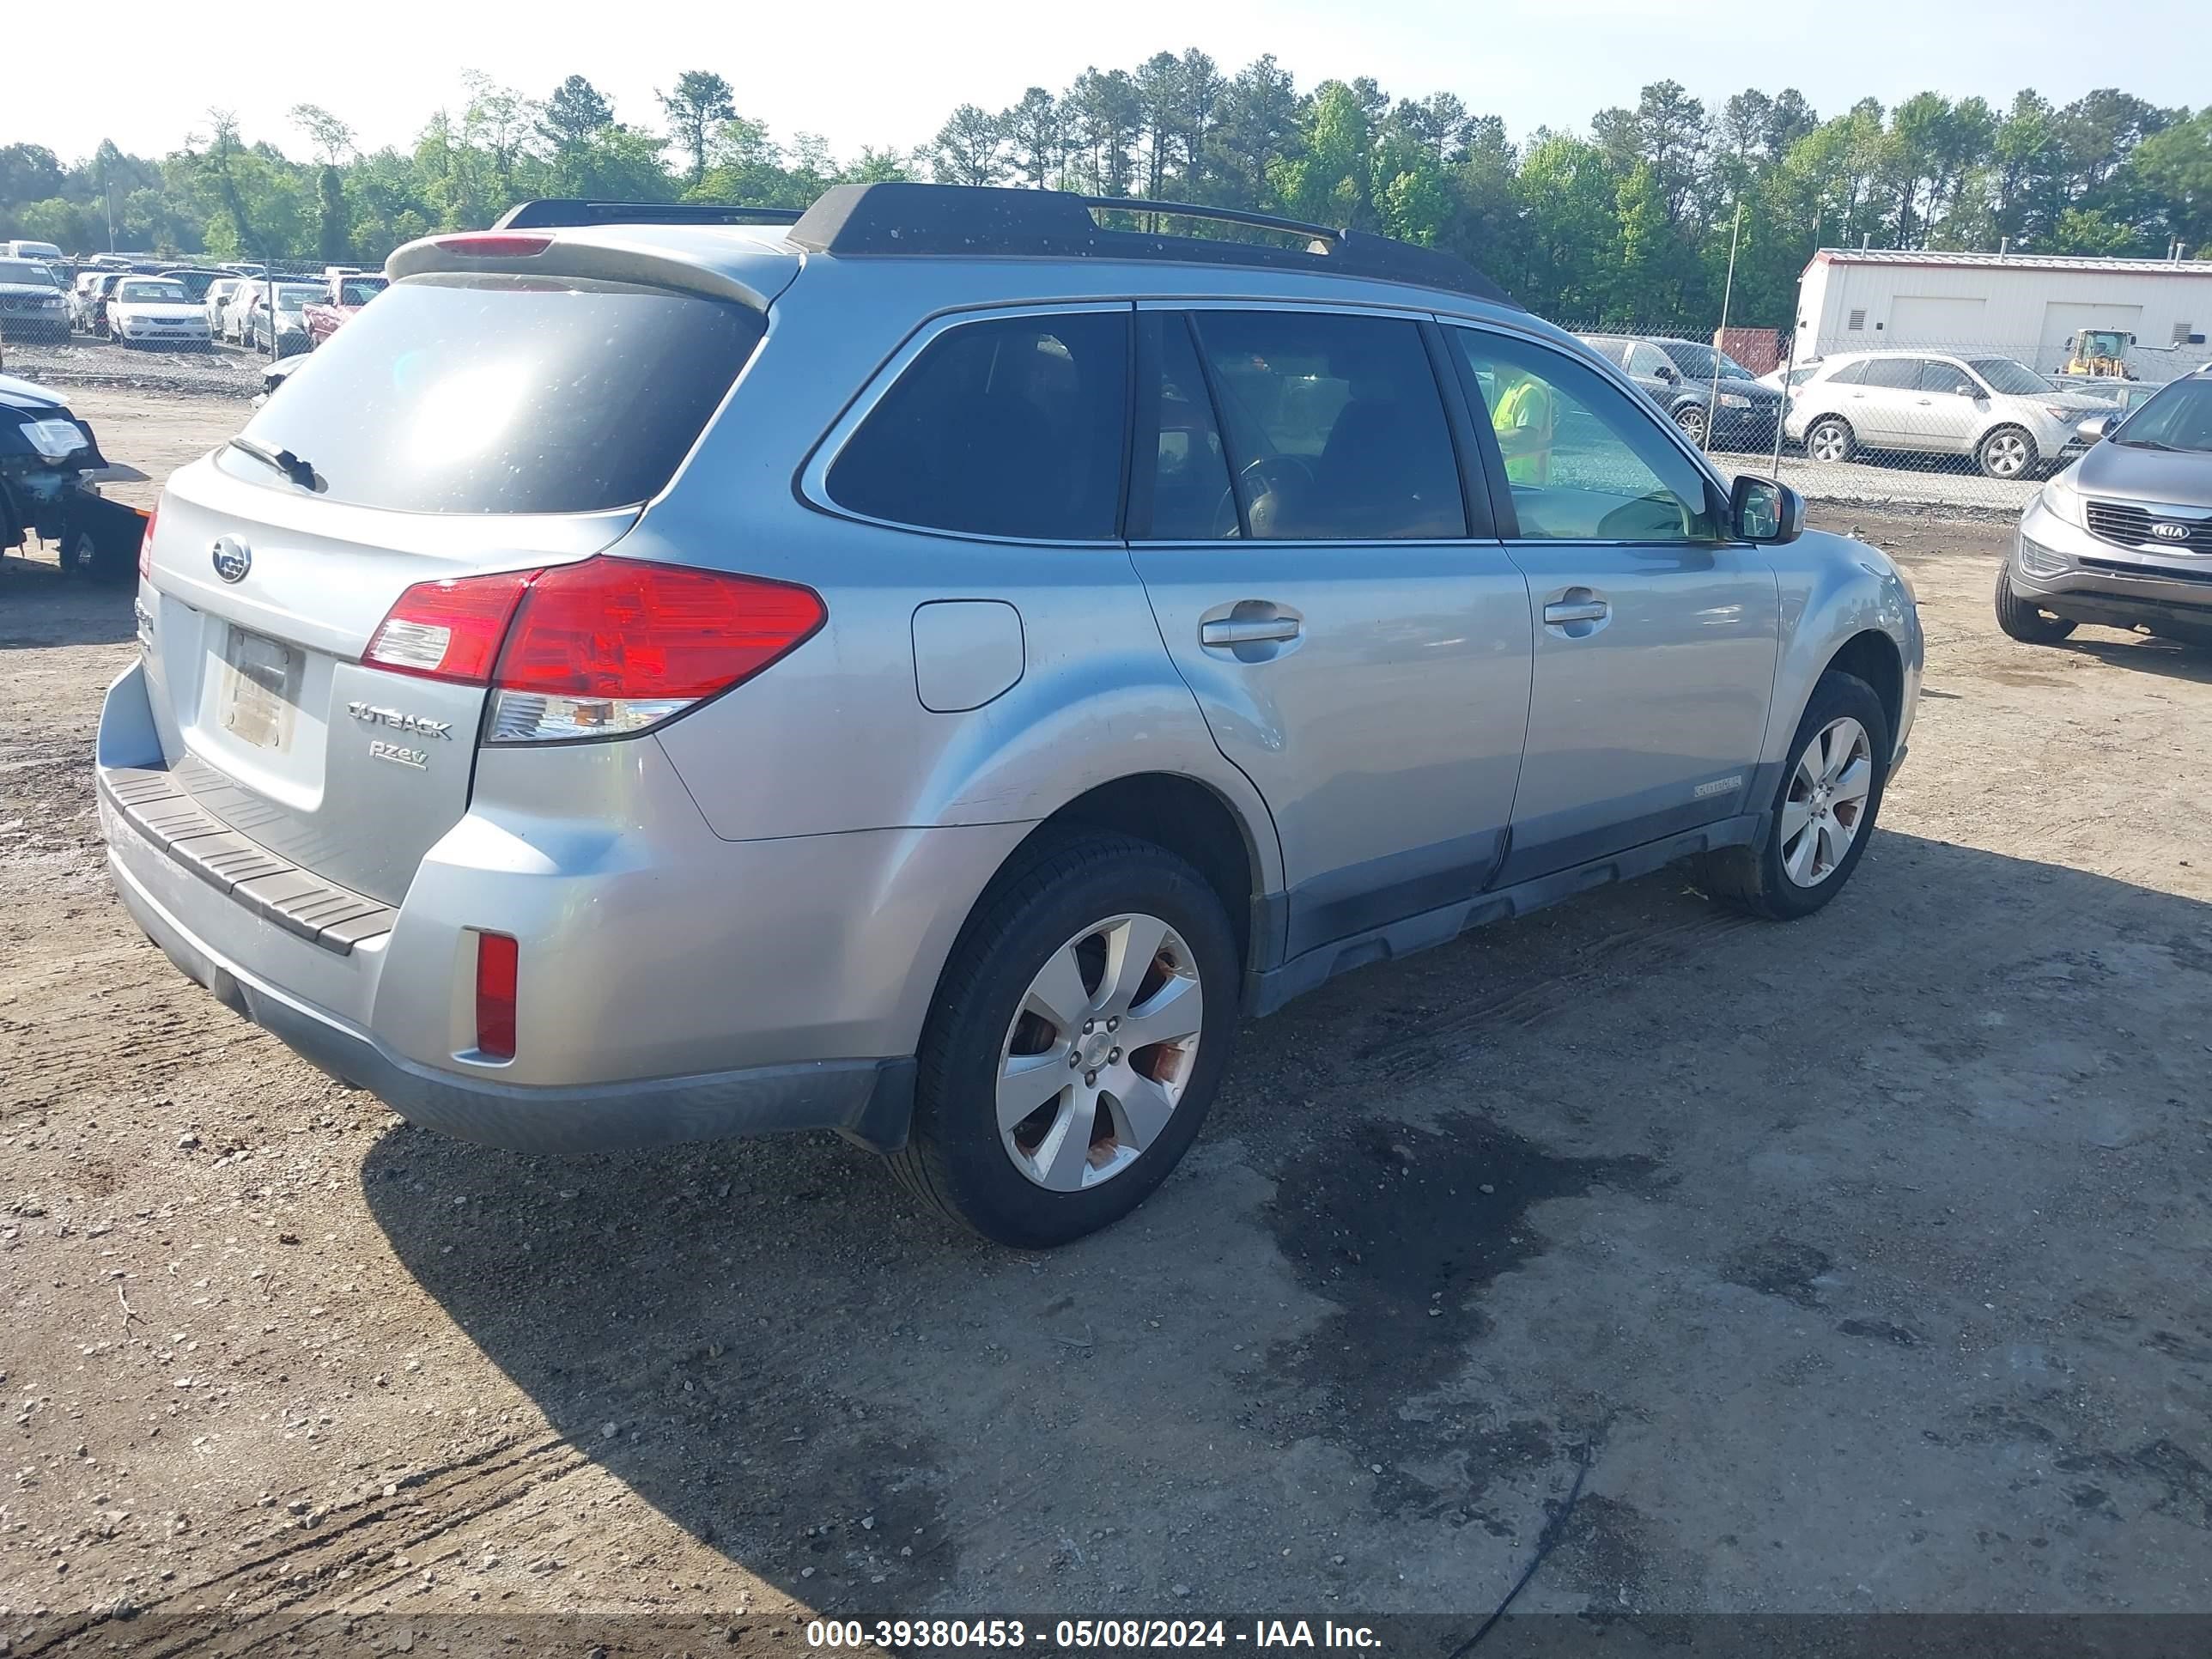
x=1864, y=1260
x=217, y=371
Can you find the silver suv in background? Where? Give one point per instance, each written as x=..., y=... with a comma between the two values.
x=926, y=670
x=2000, y=412
x=2123, y=536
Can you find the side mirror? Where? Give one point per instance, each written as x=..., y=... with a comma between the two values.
x=1667, y=375
x=1966, y=390
x=1765, y=510
x=2095, y=428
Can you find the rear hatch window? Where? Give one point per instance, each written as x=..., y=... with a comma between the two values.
x=462, y=393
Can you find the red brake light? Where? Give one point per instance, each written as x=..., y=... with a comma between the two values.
x=449, y=630
x=146, y=544
x=498, y=959
x=492, y=245
x=624, y=629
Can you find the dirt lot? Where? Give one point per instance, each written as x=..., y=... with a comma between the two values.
x=1864, y=1259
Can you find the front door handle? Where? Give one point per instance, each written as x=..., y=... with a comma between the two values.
x=1583, y=611
x=1247, y=630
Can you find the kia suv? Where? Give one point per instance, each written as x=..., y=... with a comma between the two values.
x=926, y=667
x=2123, y=536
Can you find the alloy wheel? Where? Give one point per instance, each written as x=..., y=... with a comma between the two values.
x=1827, y=802
x=1827, y=443
x=1097, y=1056
x=2006, y=454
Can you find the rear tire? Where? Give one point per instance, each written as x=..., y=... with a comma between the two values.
x=1830, y=438
x=1073, y=903
x=2022, y=619
x=1831, y=790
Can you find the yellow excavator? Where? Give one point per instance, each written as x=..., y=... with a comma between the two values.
x=2100, y=354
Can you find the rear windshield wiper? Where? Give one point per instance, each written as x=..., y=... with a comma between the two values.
x=283, y=460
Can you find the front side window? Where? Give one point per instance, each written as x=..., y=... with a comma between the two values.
x=1010, y=427
x=1850, y=375
x=1585, y=463
x=1948, y=379
x=1334, y=428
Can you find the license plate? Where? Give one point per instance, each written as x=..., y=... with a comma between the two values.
x=260, y=688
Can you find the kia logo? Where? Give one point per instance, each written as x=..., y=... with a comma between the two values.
x=2171, y=532
x=232, y=558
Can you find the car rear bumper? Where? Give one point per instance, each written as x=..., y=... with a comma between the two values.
x=674, y=986
x=869, y=1101
x=2073, y=574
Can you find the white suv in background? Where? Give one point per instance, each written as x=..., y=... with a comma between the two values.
x=1997, y=410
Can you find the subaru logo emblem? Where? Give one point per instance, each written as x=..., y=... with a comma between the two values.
x=2171, y=532
x=232, y=558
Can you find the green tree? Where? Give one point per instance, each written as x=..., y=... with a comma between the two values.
x=574, y=115
x=700, y=101
x=2175, y=166
x=970, y=148
x=1329, y=181
x=1035, y=130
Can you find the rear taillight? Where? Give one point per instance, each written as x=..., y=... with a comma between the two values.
x=449, y=630
x=146, y=546
x=601, y=648
x=498, y=961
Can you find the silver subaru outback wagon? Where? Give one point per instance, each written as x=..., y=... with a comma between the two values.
x=926, y=667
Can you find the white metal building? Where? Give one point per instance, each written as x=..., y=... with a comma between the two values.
x=2026, y=306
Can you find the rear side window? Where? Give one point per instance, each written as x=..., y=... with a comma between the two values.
x=1335, y=429
x=503, y=394
x=1010, y=427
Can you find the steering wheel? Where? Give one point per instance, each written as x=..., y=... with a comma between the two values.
x=1261, y=477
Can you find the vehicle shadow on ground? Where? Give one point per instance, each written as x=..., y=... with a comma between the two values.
x=2170, y=657
x=41, y=606
x=770, y=1346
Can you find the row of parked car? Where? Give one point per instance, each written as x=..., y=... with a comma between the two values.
x=2010, y=422
x=189, y=305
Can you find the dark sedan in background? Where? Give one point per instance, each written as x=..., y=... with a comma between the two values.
x=1716, y=401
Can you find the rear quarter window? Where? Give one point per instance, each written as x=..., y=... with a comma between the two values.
x=500, y=394
x=1009, y=426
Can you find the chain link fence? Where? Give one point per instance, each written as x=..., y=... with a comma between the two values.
x=1966, y=426
x=186, y=326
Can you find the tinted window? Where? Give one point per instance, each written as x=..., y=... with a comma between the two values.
x=1007, y=427
x=500, y=394
x=1585, y=463
x=1946, y=378
x=1334, y=427
x=1191, y=495
x=1903, y=373
x=1850, y=375
x=1702, y=362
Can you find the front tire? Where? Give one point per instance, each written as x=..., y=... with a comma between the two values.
x=2007, y=452
x=1037, y=1118
x=2022, y=619
x=1830, y=438
x=1823, y=813
x=1696, y=427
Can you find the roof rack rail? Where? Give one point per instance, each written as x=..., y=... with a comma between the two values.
x=1329, y=234
x=556, y=211
x=973, y=221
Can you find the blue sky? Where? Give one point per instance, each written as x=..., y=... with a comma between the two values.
x=887, y=73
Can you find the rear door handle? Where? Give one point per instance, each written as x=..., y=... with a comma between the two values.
x=1577, y=611
x=1247, y=630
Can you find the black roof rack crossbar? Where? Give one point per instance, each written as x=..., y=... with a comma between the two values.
x=1220, y=216
x=977, y=220
x=554, y=212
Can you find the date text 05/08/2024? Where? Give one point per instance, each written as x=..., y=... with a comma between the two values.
x=1083, y=1634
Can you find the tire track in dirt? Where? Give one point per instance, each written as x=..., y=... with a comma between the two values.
x=358, y=1537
